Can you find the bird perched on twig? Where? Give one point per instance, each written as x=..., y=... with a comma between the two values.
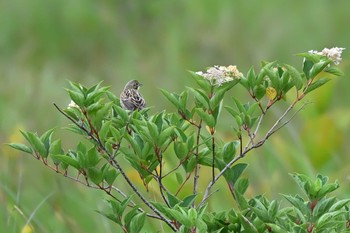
x=130, y=98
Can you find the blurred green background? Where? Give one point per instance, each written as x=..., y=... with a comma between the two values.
x=44, y=43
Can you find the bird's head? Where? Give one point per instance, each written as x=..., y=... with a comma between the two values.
x=133, y=84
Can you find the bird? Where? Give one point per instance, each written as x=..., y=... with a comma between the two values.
x=130, y=98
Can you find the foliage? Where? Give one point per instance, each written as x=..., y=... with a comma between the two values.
x=175, y=145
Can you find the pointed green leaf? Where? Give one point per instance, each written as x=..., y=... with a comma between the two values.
x=21, y=147
x=200, y=97
x=165, y=135
x=295, y=75
x=137, y=222
x=207, y=118
x=172, y=98
x=37, y=144
x=77, y=97
x=95, y=175
x=203, y=83
x=67, y=160
x=104, y=129
x=110, y=175
x=318, y=83
x=248, y=226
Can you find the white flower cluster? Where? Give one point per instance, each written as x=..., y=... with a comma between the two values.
x=334, y=54
x=217, y=75
x=72, y=104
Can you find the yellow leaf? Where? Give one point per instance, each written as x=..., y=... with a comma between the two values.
x=27, y=229
x=271, y=93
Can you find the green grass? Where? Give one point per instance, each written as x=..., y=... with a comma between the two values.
x=45, y=43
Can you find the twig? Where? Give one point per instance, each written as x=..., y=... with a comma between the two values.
x=115, y=164
x=196, y=169
x=213, y=154
x=258, y=144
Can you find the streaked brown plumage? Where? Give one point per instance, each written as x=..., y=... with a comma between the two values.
x=130, y=98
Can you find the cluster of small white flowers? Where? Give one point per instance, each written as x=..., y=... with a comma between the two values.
x=334, y=54
x=217, y=75
x=72, y=104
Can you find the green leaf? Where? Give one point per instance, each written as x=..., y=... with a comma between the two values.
x=200, y=97
x=334, y=70
x=276, y=228
x=122, y=113
x=272, y=209
x=95, y=175
x=229, y=151
x=261, y=212
x=298, y=202
x=318, y=83
x=307, y=65
x=217, y=98
x=241, y=201
x=95, y=95
x=104, y=129
x=111, y=217
x=68, y=160
x=188, y=201
x=179, y=178
x=235, y=172
x=251, y=77
x=241, y=185
x=129, y=216
x=192, y=215
x=165, y=135
x=172, y=98
x=239, y=105
x=153, y=130
x=231, y=111
x=21, y=147
x=56, y=149
x=318, y=67
x=173, y=200
x=295, y=75
x=137, y=223
x=206, y=117
x=328, y=218
x=77, y=87
x=203, y=83
x=183, y=97
x=190, y=165
x=77, y=97
x=37, y=144
x=259, y=91
x=248, y=226
x=180, y=149
x=327, y=188
x=323, y=206
x=92, y=157
x=46, y=138
x=179, y=216
x=110, y=175
x=201, y=226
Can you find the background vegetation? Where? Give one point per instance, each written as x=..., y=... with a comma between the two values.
x=44, y=43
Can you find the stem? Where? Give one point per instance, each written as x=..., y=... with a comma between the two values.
x=159, y=177
x=213, y=162
x=196, y=170
x=116, y=165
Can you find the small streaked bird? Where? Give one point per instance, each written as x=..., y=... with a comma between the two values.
x=130, y=98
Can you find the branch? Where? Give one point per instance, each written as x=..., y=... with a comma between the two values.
x=272, y=130
x=116, y=165
x=196, y=170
